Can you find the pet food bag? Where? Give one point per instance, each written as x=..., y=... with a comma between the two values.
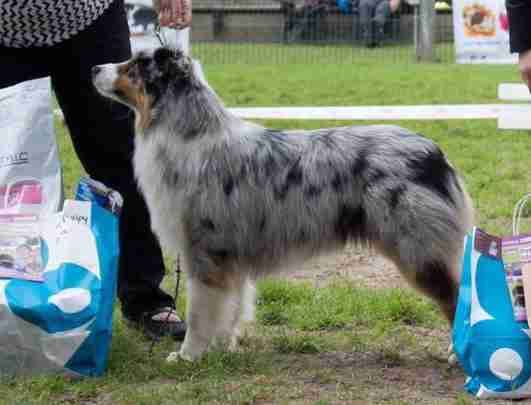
x=30, y=170
x=64, y=323
x=491, y=340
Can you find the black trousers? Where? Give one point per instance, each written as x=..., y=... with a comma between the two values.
x=102, y=134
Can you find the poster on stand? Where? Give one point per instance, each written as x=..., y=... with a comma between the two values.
x=481, y=32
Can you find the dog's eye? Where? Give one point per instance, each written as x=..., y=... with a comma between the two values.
x=132, y=72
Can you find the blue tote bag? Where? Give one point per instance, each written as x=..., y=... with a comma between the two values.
x=492, y=347
x=64, y=323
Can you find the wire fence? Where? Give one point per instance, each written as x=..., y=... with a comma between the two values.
x=303, y=31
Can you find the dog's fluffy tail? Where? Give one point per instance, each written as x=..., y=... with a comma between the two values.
x=427, y=244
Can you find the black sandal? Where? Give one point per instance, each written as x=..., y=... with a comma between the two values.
x=157, y=328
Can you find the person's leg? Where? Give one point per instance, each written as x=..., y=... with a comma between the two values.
x=366, y=9
x=381, y=15
x=18, y=65
x=102, y=134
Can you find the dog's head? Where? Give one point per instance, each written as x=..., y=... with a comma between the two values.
x=142, y=82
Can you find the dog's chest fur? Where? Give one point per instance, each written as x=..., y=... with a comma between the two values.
x=157, y=171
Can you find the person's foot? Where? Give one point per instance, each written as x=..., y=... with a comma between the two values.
x=380, y=36
x=159, y=323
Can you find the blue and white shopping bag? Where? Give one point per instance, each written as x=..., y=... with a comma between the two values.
x=64, y=324
x=493, y=348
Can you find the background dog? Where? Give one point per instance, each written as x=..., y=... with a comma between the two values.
x=239, y=200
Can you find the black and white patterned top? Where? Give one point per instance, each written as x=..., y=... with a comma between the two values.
x=25, y=23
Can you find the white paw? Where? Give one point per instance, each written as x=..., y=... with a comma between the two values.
x=234, y=344
x=188, y=356
x=452, y=358
x=172, y=357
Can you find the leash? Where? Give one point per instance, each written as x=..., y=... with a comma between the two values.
x=156, y=339
x=164, y=43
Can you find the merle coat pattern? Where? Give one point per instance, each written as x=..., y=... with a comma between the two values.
x=239, y=201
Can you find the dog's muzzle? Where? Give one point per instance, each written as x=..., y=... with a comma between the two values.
x=103, y=77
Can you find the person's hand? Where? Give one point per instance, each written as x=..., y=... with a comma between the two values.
x=174, y=13
x=393, y=5
x=525, y=67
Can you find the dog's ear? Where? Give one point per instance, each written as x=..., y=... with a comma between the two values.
x=172, y=62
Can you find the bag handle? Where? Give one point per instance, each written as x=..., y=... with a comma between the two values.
x=517, y=213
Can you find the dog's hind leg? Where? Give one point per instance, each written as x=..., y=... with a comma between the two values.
x=435, y=280
x=433, y=269
x=433, y=276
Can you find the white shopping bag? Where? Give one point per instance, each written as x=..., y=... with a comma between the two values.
x=30, y=171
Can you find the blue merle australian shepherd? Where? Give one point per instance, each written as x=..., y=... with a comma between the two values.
x=239, y=201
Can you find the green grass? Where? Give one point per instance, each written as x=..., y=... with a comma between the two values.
x=338, y=306
x=313, y=53
x=363, y=83
x=135, y=377
x=307, y=341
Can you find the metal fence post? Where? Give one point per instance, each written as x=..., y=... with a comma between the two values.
x=426, y=30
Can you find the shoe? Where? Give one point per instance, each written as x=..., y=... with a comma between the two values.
x=155, y=324
x=380, y=36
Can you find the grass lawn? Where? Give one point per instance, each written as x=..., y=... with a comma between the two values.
x=342, y=342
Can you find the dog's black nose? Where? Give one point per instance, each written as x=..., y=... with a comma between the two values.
x=95, y=70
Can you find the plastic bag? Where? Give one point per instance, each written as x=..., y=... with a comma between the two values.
x=30, y=170
x=64, y=324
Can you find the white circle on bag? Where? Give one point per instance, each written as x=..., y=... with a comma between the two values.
x=71, y=300
x=506, y=364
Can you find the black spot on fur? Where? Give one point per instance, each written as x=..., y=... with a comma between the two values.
x=280, y=192
x=360, y=165
x=431, y=170
x=351, y=223
x=302, y=236
x=219, y=256
x=207, y=223
x=269, y=165
x=338, y=182
x=228, y=186
x=294, y=176
x=395, y=194
x=293, y=179
x=262, y=225
x=312, y=191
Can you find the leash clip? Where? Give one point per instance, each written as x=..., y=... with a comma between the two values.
x=160, y=35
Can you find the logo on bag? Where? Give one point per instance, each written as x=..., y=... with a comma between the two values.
x=13, y=159
x=80, y=219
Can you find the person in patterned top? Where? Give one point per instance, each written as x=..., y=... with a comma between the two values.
x=519, y=13
x=64, y=39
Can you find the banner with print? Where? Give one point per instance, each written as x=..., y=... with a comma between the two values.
x=481, y=31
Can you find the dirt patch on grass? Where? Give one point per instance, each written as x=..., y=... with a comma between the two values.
x=416, y=377
x=354, y=263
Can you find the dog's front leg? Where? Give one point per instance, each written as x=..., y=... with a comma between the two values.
x=245, y=313
x=203, y=307
x=210, y=317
